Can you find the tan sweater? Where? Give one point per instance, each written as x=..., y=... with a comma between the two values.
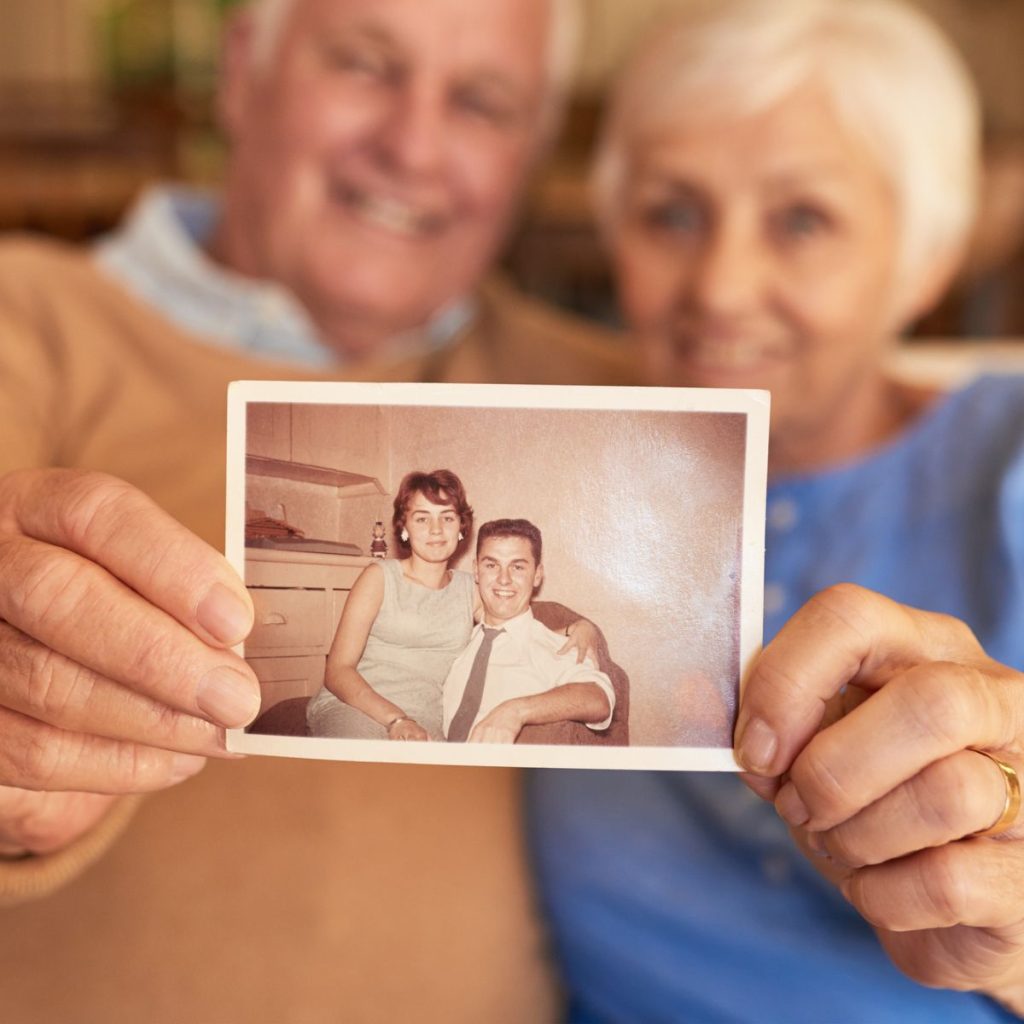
x=263, y=890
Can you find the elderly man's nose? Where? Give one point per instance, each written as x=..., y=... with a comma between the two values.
x=414, y=136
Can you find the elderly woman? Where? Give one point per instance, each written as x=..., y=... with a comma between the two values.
x=785, y=186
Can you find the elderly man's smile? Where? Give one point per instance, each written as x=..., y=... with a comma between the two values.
x=388, y=212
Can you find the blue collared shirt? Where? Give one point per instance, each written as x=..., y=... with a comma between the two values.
x=158, y=254
x=677, y=897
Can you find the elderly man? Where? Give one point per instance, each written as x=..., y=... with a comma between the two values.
x=512, y=673
x=377, y=151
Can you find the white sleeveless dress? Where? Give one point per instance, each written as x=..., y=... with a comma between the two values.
x=413, y=641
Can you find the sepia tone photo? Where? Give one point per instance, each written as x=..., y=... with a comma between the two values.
x=498, y=575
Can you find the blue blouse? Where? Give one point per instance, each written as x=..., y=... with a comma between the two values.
x=677, y=897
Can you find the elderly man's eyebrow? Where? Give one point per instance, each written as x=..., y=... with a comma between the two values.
x=488, y=78
x=678, y=183
x=364, y=31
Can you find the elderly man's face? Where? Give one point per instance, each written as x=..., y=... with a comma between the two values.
x=763, y=253
x=377, y=157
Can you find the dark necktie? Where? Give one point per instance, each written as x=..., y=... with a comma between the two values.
x=458, y=731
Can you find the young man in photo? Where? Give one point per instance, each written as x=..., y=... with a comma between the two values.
x=511, y=674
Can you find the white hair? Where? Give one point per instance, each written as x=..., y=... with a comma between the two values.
x=891, y=76
x=270, y=16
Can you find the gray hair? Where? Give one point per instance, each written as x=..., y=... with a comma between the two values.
x=891, y=76
x=270, y=16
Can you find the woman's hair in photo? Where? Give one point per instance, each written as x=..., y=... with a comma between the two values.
x=512, y=528
x=442, y=487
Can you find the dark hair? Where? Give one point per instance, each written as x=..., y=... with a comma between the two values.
x=442, y=487
x=511, y=528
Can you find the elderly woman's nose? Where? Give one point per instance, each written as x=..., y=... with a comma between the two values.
x=729, y=272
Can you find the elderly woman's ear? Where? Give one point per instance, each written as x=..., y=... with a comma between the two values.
x=931, y=284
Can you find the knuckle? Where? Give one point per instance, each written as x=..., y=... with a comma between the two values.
x=135, y=767
x=927, y=970
x=938, y=702
x=42, y=756
x=774, y=682
x=848, y=603
x=843, y=845
x=941, y=797
x=156, y=657
x=92, y=509
x=47, y=591
x=946, y=886
x=957, y=636
x=825, y=790
x=54, y=684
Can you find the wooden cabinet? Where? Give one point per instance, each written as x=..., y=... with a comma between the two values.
x=298, y=598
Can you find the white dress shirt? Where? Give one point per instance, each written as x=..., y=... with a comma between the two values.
x=524, y=661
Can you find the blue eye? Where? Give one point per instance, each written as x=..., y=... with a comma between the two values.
x=684, y=218
x=481, y=104
x=802, y=221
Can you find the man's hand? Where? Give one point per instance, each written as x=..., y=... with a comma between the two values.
x=862, y=720
x=582, y=641
x=501, y=724
x=114, y=677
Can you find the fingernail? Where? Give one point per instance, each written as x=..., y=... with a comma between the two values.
x=224, y=615
x=757, y=746
x=184, y=766
x=790, y=807
x=816, y=842
x=228, y=697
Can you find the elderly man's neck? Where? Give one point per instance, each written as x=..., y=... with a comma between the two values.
x=355, y=335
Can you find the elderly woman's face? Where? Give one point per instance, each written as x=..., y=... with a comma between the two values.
x=762, y=253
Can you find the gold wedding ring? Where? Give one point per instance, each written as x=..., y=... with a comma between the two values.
x=1011, y=808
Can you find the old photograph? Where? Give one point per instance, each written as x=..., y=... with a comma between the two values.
x=498, y=575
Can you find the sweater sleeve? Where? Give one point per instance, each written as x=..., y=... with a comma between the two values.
x=32, y=388
x=29, y=368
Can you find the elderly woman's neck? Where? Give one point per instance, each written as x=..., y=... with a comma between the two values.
x=853, y=429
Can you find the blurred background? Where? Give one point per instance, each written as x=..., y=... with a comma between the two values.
x=99, y=98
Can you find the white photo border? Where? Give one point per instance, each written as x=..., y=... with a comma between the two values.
x=754, y=405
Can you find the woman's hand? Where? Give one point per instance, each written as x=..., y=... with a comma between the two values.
x=862, y=720
x=407, y=729
x=582, y=639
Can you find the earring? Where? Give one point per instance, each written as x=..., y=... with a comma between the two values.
x=460, y=536
x=405, y=536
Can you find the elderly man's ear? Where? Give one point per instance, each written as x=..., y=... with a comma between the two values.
x=234, y=88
